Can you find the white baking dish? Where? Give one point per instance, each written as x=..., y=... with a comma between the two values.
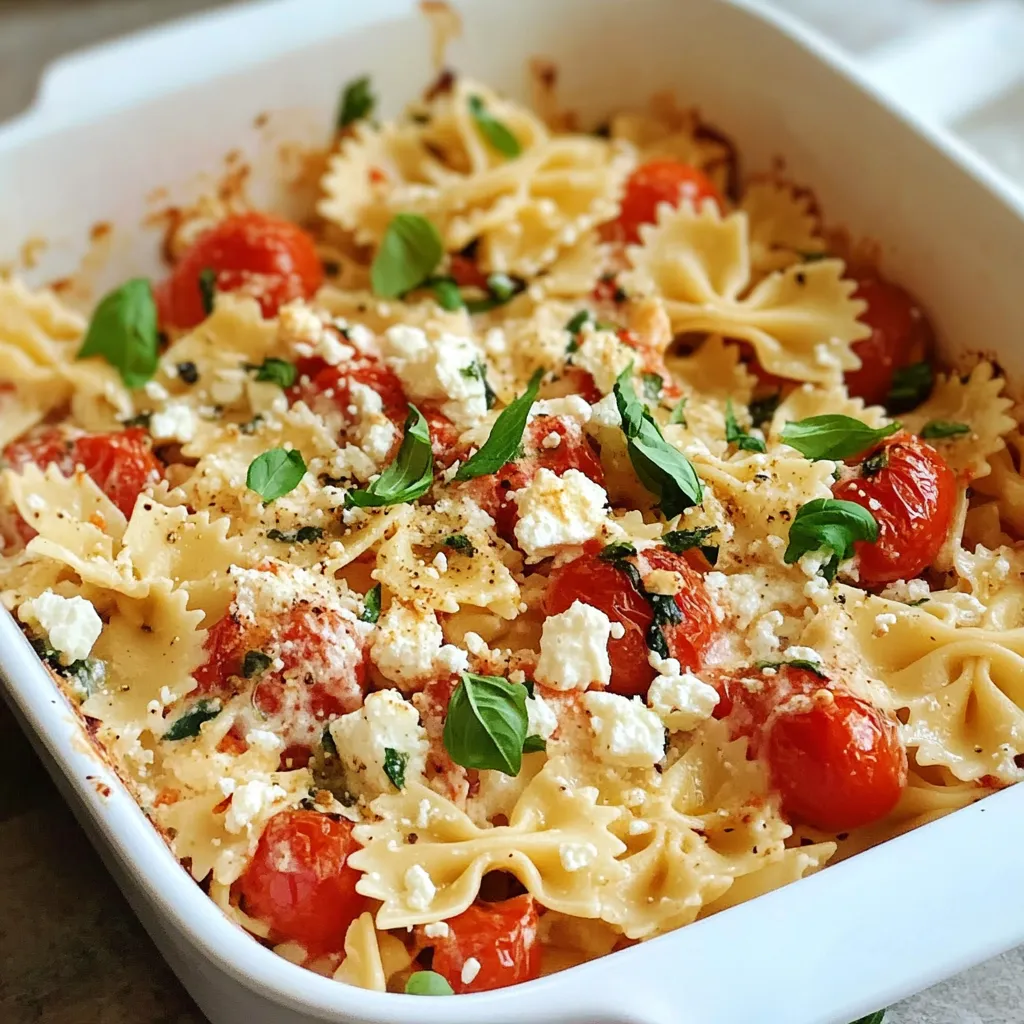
x=112, y=124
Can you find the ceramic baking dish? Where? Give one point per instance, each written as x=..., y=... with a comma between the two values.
x=159, y=109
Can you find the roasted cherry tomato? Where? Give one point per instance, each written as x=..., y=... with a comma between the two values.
x=299, y=882
x=502, y=940
x=606, y=586
x=836, y=761
x=121, y=464
x=654, y=183
x=466, y=273
x=264, y=256
x=910, y=490
x=900, y=335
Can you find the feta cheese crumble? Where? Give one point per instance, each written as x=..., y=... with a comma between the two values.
x=626, y=732
x=419, y=888
x=70, y=624
x=409, y=645
x=558, y=510
x=680, y=699
x=174, y=422
x=470, y=969
x=576, y=856
x=574, y=649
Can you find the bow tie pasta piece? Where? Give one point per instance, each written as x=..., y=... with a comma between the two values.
x=785, y=226
x=371, y=957
x=801, y=320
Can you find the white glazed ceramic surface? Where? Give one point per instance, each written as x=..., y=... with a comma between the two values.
x=161, y=108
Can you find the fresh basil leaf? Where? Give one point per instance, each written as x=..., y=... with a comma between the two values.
x=937, y=429
x=395, y=762
x=665, y=610
x=459, y=542
x=143, y=419
x=872, y=1018
x=874, y=463
x=371, y=605
x=255, y=663
x=678, y=413
x=664, y=470
x=486, y=724
x=911, y=385
x=123, y=330
x=678, y=541
x=477, y=371
x=733, y=435
x=187, y=725
x=409, y=253
x=763, y=409
x=810, y=666
x=505, y=436
x=533, y=744
x=208, y=289
x=427, y=983
x=833, y=436
x=447, y=293
x=617, y=551
x=303, y=535
x=408, y=476
x=275, y=473
x=357, y=102
x=500, y=289
x=832, y=525
x=277, y=371
x=494, y=131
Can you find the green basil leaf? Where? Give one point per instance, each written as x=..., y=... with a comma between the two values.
x=357, y=102
x=408, y=476
x=763, y=409
x=678, y=541
x=486, y=724
x=459, y=542
x=832, y=525
x=427, y=983
x=303, y=535
x=937, y=429
x=872, y=1018
x=833, y=436
x=678, y=413
x=277, y=371
x=275, y=473
x=501, y=289
x=371, y=605
x=143, y=419
x=447, y=293
x=409, y=253
x=255, y=663
x=187, y=725
x=395, y=762
x=616, y=551
x=477, y=371
x=208, y=288
x=505, y=437
x=123, y=330
x=911, y=385
x=664, y=470
x=652, y=384
x=533, y=744
x=810, y=666
x=733, y=435
x=494, y=131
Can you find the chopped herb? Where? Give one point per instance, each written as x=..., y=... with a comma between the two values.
x=652, y=384
x=832, y=525
x=733, y=435
x=208, y=288
x=447, y=293
x=500, y=289
x=427, y=983
x=614, y=552
x=875, y=463
x=90, y=673
x=409, y=253
x=533, y=744
x=408, y=476
x=916, y=604
x=251, y=426
x=678, y=541
x=911, y=385
x=188, y=372
x=810, y=666
x=872, y=1018
x=477, y=371
x=486, y=724
x=123, y=330
x=494, y=131
x=328, y=770
x=833, y=436
x=187, y=725
x=665, y=609
x=371, y=605
x=459, y=542
x=678, y=413
x=277, y=371
x=275, y=473
x=255, y=663
x=505, y=436
x=763, y=409
x=142, y=419
x=357, y=102
x=303, y=535
x=395, y=762
x=664, y=470
x=937, y=429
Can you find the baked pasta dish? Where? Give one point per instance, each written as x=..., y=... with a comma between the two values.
x=559, y=537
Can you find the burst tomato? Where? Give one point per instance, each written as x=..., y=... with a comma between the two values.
x=299, y=882
x=500, y=937
x=654, y=183
x=264, y=256
x=604, y=585
x=910, y=490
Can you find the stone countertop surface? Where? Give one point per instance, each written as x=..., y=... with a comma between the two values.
x=71, y=951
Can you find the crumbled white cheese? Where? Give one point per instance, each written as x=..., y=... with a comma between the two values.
x=419, y=888
x=228, y=385
x=739, y=594
x=576, y=856
x=552, y=440
x=558, y=510
x=603, y=355
x=626, y=732
x=352, y=463
x=71, y=624
x=155, y=391
x=249, y=801
x=470, y=969
x=605, y=413
x=360, y=336
x=540, y=719
x=802, y=654
x=299, y=326
x=385, y=721
x=409, y=646
x=882, y=623
x=174, y=422
x=437, y=930
x=264, y=740
x=818, y=591
x=762, y=639
x=571, y=406
x=440, y=562
x=574, y=649
x=907, y=591
x=812, y=562
x=679, y=698
x=638, y=827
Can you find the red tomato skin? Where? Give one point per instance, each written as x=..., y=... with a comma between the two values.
x=601, y=584
x=267, y=257
x=912, y=498
x=654, y=183
x=466, y=273
x=299, y=881
x=900, y=335
x=501, y=937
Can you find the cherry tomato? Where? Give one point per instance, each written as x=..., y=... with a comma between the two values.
x=466, y=273
x=900, y=335
x=604, y=585
x=910, y=490
x=654, y=183
x=500, y=937
x=121, y=464
x=299, y=882
x=264, y=256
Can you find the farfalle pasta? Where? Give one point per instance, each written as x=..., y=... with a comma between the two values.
x=559, y=543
